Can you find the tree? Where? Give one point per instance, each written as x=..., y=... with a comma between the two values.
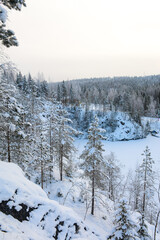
x=58, y=93
x=7, y=36
x=93, y=159
x=143, y=230
x=64, y=93
x=63, y=140
x=72, y=95
x=146, y=179
x=19, y=81
x=125, y=228
x=157, y=215
x=136, y=189
x=43, y=156
x=114, y=176
x=12, y=124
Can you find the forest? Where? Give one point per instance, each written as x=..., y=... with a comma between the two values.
x=79, y=159
x=38, y=131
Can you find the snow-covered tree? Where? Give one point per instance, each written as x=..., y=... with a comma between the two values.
x=146, y=180
x=143, y=230
x=113, y=175
x=43, y=162
x=64, y=93
x=58, y=93
x=63, y=141
x=72, y=95
x=125, y=228
x=7, y=36
x=12, y=126
x=93, y=160
x=134, y=189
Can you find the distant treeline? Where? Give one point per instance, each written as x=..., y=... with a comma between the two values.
x=139, y=96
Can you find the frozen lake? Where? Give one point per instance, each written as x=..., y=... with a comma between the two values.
x=129, y=152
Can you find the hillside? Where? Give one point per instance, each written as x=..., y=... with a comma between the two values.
x=62, y=147
x=27, y=213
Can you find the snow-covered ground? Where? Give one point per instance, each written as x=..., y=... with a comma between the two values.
x=26, y=213
x=15, y=189
x=129, y=152
x=47, y=214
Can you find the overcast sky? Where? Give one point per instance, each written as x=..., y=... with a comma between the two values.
x=68, y=39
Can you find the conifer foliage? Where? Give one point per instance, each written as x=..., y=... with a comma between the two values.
x=7, y=36
x=63, y=142
x=125, y=228
x=146, y=180
x=143, y=230
x=93, y=159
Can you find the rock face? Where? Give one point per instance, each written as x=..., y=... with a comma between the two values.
x=26, y=207
x=20, y=215
x=120, y=127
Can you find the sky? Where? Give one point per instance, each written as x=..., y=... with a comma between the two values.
x=70, y=39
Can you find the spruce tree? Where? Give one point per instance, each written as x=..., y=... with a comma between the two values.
x=125, y=228
x=58, y=93
x=93, y=159
x=64, y=93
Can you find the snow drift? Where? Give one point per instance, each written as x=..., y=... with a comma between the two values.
x=27, y=213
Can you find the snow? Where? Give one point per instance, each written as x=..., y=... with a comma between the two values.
x=45, y=215
x=12, y=127
x=21, y=133
x=119, y=126
x=6, y=115
x=15, y=180
x=128, y=152
x=16, y=118
x=153, y=122
x=14, y=186
x=3, y=14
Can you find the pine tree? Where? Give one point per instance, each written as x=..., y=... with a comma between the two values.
x=125, y=228
x=93, y=159
x=146, y=180
x=63, y=140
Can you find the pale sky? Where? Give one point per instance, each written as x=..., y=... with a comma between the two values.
x=69, y=39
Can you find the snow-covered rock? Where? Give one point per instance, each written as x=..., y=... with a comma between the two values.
x=119, y=127
x=27, y=213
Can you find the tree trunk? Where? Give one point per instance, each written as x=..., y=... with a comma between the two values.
x=42, y=170
x=50, y=142
x=155, y=229
x=93, y=195
x=42, y=174
x=136, y=203
x=144, y=191
x=51, y=151
x=8, y=143
x=61, y=164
